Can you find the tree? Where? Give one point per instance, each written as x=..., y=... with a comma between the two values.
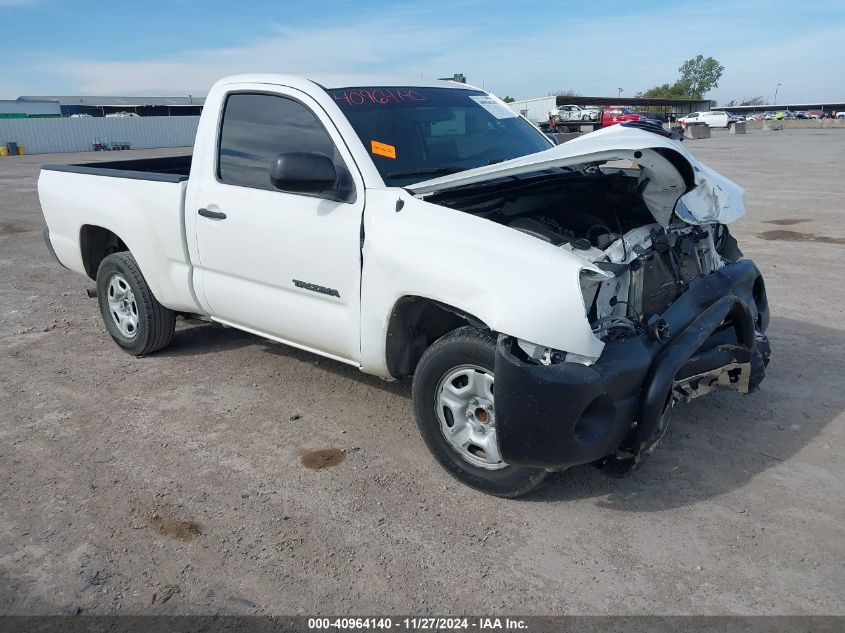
x=666, y=91
x=508, y=99
x=699, y=75
x=747, y=101
x=566, y=93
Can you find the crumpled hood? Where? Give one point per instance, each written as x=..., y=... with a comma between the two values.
x=709, y=198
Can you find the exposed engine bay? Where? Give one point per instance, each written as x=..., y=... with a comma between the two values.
x=598, y=213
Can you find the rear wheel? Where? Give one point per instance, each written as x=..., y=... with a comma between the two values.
x=132, y=315
x=455, y=410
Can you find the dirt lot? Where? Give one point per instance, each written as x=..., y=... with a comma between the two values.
x=186, y=482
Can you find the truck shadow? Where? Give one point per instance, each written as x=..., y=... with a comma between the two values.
x=198, y=338
x=718, y=444
x=714, y=444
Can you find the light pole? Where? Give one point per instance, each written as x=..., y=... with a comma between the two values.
x=621, y=90
x=775, y=102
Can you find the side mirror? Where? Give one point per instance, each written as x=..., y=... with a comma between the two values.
x=308, y=173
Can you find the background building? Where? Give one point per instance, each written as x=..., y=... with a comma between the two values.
x=830, y=107
x=35, y=108
x=142, y=106
x=47, y=124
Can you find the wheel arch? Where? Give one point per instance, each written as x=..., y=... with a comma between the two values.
x=415, y=323
x=95, y=244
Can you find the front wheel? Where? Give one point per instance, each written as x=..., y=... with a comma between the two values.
x=132, y=315
x=454, y=404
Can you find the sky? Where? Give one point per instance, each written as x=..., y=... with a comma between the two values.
x=510, y=48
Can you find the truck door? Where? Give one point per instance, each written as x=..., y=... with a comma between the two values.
x=284, y=265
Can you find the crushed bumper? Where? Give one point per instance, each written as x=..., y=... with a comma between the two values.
x=612, y=413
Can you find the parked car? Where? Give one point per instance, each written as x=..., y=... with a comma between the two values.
x=801, y=114
x=816, y=114
x=618, y=114
x=121, y=115
x=81, y=116
x=778, y=115
x=840, y=115
x=335, y=219
x=566, y=113
x=711, y=118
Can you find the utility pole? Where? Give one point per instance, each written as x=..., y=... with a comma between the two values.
x=775, y=101
x=621, y=90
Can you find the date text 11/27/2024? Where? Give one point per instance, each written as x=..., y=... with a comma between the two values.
x=418, y=624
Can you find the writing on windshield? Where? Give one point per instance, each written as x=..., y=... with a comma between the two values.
x=377, y=96
x=414, y=133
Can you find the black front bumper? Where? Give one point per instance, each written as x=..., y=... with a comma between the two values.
x=611, y=413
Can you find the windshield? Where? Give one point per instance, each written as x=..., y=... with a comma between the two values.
x=415, y=134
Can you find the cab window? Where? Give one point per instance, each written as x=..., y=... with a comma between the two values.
x=258, y=127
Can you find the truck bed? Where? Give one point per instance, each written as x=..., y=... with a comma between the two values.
x=141, y=202
x=160, y=169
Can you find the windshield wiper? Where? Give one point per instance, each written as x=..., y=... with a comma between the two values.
x=440, y=171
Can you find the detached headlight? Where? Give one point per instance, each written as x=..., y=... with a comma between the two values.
x=548, y=356
x=540, y=353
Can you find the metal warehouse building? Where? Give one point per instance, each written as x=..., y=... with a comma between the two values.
x=142, y=106
x=47, y=136
x=35, y=108
x=47, y=124
x=829, y=107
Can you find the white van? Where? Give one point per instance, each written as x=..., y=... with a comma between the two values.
x=713, y=119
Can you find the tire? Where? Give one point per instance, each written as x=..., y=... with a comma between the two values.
x=133, y=316
x=586, y=117
x=466, y=352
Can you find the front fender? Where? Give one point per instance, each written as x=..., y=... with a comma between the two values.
x=514, y=283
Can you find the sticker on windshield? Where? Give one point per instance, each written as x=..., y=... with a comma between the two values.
x=382, y=149
x=498, y=110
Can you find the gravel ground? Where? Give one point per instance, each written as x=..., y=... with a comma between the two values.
x=187, y=482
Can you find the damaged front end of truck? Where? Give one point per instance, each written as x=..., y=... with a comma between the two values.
x=678, y=310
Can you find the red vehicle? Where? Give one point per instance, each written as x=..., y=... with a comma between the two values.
x=612, y=115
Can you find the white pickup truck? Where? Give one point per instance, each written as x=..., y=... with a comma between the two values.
x=552, y=303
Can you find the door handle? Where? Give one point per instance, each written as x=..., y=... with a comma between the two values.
x=214, y=215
